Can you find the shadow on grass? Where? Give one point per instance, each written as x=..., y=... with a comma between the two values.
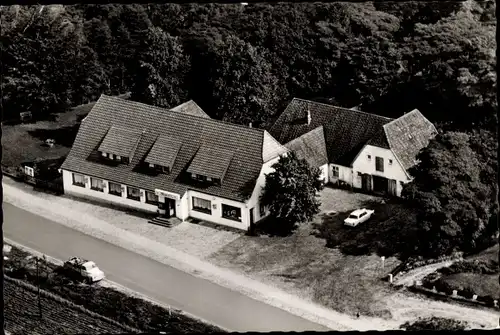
x=270, y=226
x=386, y=233
x=64, y=136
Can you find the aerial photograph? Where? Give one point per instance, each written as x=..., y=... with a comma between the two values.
x=177, y=168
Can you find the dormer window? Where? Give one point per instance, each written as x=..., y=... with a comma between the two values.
x=104, y=154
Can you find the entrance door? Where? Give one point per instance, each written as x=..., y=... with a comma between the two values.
x=380, y=185
x=366, y=182
x=252, y=216
x=171, y=211
x=392, y=187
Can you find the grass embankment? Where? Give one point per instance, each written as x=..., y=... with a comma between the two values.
x=345, y=277
x=106, y=301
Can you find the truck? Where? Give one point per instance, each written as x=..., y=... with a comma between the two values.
x=84, y=269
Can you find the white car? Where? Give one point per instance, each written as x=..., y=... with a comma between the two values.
x=84, y=268
x=358, y=216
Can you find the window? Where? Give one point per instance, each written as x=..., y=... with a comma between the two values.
x=262, y=209
x=379, y=164
x=362, y=214
x=124, y=160
x=133, y=193
x=231, y=213
x=151, y=165
x=96, y=184
x=111, y=156
x=165, y=169
x=359, y=174
x=151, y=198
x=202, y=205
x=216, y=181
x=78, y=180
x=115, y=189
x=369, y=157
x=118, y=158
x=209, y=179
x=335, y=171
x=390, y=161
x=29, y=171
x=199, y=177
x=104, y=154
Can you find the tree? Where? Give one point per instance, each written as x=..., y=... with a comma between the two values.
x=291, y=192
x=453, y=204
x=160, y=70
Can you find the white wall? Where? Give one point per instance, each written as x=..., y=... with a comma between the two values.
x=216, y=215
x=87, y=192
x=345, y=174
x=324, y=173
x=391, y=171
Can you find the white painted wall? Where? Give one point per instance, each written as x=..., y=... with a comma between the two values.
x=216, y=216
x=87, y=192
x=391, y=171
x=345, y=174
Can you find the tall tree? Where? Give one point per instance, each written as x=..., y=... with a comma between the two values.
x=291, y=192
x=160, y=69
x=453, y=204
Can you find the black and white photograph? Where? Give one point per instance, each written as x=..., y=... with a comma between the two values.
x=205, y=167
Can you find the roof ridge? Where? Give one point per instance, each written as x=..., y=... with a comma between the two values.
x=184, y=114
x=344, y=108
x=405, y=114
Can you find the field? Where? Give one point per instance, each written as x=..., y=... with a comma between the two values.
x=302, y=264
x=105, y=301
x=22, y=315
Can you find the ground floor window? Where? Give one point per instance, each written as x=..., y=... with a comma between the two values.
x=78, y=180
x=151, y=198
x=96, y=184
x=202, y=205
x=231, y=213
x=133, y=193
x=115, y=189
x=262, y=210
x=335, y=171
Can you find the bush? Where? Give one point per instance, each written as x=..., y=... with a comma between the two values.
x=477, y=266
x=467, y=292
x=487, y=299
x=434, y=323
x=443, y=286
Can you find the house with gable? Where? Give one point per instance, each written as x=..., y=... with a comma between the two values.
x=177, y=162
x=366, y=151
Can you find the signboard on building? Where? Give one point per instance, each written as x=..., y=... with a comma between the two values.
x=167, y=194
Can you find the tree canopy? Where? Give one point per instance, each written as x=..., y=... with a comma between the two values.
x=291, y=192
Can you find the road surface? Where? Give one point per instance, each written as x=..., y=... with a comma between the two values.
x=216, y=304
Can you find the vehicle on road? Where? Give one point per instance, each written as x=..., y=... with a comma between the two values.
x=86, y=270
x=358, y=216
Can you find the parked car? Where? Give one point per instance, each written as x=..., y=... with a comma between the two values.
x=358, y=216
x=86, y=270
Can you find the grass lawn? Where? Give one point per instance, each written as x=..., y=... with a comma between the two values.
x=302, y=264
x=24, y=142
x=482, y=284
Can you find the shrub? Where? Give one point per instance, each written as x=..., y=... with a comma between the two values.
x=443, y=286
x=434, y=323
x=487, y=299
x=467, y=292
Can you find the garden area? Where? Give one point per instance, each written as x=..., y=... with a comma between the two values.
x=115, y=305
x=475, y=275
x=346, y=278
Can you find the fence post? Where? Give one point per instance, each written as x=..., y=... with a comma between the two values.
x=390, y=278
x=455, y=292
x=474, y=297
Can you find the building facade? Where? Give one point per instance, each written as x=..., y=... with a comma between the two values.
x=169, y=162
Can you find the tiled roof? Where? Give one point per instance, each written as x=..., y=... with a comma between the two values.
x=409, y=134
x=245, y=143
x=120, y=141
x=164, y=151
x=211, y=162
x=311, y=146
x=346, y=131
x=190, y=107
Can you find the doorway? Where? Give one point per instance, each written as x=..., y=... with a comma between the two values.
x=380, y=185
x=167, y=208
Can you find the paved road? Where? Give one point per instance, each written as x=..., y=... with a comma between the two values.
x=219, y=305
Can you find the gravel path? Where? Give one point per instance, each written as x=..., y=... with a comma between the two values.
x=408, y=278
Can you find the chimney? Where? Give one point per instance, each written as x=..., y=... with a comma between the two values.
x=250, y=125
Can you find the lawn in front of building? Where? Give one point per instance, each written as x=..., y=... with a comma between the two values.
x=302, y=264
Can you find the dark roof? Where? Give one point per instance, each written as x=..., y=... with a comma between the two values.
x=190, y=107
x=346, y=131
x=249, y=146
x=120, y=141
x=311, y=146
x=409, y=134
x=211, y=162
x=164, y=151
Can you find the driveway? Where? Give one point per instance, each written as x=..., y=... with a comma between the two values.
x=338, y=200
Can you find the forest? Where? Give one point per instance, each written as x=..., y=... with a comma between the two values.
x=244, y=64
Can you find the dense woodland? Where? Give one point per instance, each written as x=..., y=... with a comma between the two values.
x=245, y=63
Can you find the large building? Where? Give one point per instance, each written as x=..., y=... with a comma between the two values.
x=366, y=151
x=178, y=162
